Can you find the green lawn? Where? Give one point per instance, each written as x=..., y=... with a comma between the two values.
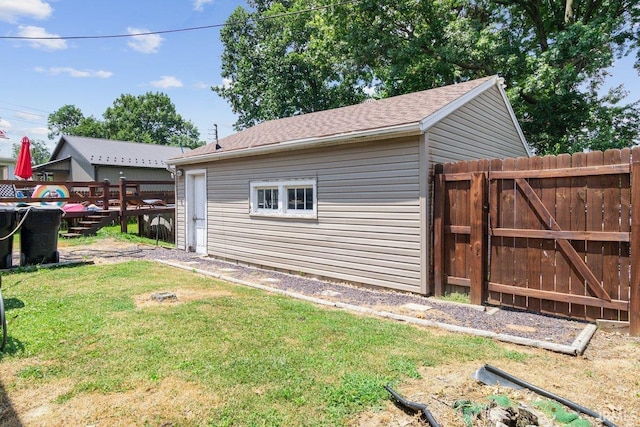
x=261, y=359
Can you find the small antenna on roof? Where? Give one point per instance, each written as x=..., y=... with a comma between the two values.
x=215, y=131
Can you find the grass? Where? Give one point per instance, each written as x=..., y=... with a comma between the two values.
x=456, y=297
x=113, y=231
x=259, y=359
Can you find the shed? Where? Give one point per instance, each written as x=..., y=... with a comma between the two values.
x=78, y=158
x=344, y=193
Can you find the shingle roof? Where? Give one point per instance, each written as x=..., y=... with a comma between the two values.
x=119, y=153
x=385, y=113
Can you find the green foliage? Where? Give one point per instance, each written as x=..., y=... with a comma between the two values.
x=262, y=359
x=281, y=62
x=39, y=151
x=149, y=118
x=554, y=59
x=456, y=297
x=469, y=410
x=557, y=412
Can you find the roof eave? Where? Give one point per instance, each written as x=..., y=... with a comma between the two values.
x=497, y=81
x=299, y=144
x=454, y=105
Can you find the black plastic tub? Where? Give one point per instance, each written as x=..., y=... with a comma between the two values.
x=39, y=235
x=7, y=224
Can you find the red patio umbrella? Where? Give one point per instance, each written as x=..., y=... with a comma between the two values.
x=23, y=165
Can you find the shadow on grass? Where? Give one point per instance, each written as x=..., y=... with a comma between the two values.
x=8, y=414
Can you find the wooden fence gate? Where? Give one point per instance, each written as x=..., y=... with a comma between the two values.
x=551, y=234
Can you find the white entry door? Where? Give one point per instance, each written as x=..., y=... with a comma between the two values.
x=196, y=212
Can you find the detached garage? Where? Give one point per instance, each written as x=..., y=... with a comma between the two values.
x=342, y=193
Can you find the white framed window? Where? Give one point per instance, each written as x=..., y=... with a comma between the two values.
x=290, y=198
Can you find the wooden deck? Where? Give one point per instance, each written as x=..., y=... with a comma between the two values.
x=90, y=205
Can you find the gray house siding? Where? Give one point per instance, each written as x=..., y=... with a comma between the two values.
x=368, y=223
x=180, y=213
x=481, y=129
x=113, y=174
x=371, y=163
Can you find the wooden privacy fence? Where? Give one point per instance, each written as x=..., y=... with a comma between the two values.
x=555, y=234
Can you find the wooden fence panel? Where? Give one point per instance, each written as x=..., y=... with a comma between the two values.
x=558, y=233
x=611, y=250
x=507, y=220
x=534, y=252
x=594, y=222
x=634, y=289
x=496, y=270
x=625, y=227
x=563, y=218
x=578, y=223
x=548, y=195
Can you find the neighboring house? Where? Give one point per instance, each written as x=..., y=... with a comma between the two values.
x=343, y=193
x=7, y=166
x=92, y=159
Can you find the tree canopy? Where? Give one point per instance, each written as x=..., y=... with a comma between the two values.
x=289, y=57
x=39, y=151
x=149, y=118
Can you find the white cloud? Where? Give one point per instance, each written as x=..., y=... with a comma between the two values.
x=166, y=82
x=199, y=4
x=4, y=123
x=201, y=85
x=226, y=83
x=145, y=44
x=11, y=10
x=47, y=41
x=72, y=72
x=40, y=131
x=29, y=116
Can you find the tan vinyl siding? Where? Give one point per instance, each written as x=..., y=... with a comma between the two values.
x=180, y=214
x=368, y=223
x=481, y=129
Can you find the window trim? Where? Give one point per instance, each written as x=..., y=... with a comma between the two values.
x=283, y=186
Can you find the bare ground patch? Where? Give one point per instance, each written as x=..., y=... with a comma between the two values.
x=166, y=403
x=181, y=296
x=605, y=379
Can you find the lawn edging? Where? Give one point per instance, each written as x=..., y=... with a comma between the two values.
x=575, y=349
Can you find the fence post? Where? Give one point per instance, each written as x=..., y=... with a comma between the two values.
x=123, y=203
x=106, y=188
x=438, y=231
x=478, y=237
x=634, y=301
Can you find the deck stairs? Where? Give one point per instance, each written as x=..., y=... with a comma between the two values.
x=89, y=224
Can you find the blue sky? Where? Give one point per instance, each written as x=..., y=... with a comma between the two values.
x=39, y=77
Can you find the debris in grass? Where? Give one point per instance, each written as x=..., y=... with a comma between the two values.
x=164, y=296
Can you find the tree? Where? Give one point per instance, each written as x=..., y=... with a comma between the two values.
x=280, y=66
x=39, y=151
x=63, y=120
x=149, y=118
x=553, y=55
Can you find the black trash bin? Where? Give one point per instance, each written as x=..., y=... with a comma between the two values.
x=7, y=224
x=39, y=235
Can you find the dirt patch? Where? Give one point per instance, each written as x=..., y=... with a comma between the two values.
x=165, y=403
x=181, y=296
x=604, y=380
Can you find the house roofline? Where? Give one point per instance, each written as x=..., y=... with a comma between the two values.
x=299, y=144
x=433, y=119
x=418, y=128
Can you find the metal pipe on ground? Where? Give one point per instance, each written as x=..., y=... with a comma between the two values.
x=491, y=375
x=414, y=407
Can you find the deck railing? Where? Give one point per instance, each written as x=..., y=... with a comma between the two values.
x=129, y=198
